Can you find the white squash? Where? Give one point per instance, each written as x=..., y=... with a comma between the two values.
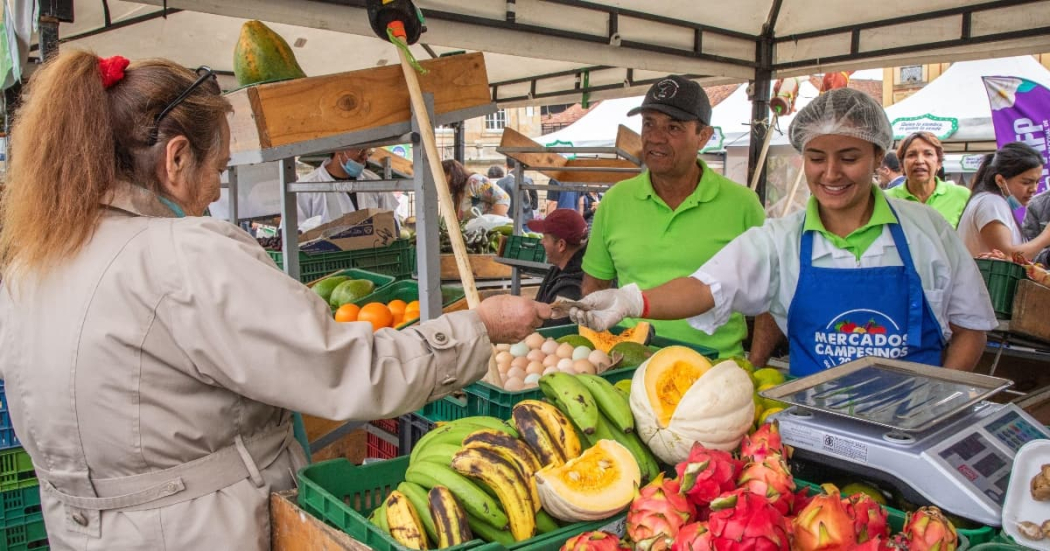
x=717, y=410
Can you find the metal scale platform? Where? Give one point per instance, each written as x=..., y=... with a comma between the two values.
x=925, y=430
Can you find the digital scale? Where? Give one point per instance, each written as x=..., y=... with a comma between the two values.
x=924, y=430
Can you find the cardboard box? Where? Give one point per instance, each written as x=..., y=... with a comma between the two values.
x=362, y=229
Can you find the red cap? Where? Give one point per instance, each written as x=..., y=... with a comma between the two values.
x=565, y=224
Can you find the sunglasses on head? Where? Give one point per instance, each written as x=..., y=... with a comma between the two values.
x=203, y=74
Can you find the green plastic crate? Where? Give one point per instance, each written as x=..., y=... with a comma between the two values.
x=16, y=470
x=520, y=247
x=1001, y=277
x=24, y=537
x=20, y=506
x=408, y=290
x=975, y=536
x=396, y=259
x=482, y=398
x=379, y=280
x=343, y=495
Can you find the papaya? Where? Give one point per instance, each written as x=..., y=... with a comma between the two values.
x=605, y=340
x=261, y=55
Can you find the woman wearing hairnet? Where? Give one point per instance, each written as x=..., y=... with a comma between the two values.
x=854, y=275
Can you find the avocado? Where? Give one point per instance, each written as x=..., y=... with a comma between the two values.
x=325, y=287
x=633, y=353
x=351, y=290
x=576, y=340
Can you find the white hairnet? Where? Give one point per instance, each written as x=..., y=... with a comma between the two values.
x=842, y=112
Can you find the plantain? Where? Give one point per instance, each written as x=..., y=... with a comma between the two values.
x=558, y=426
x=545, y=523
x=454, y=432
x=473, y=498
x=450, y=521
x=485, y=531
x=536, y=436
x=611, y=401
x=418, y=496
x=503, y=477
x=438, y=452
x=521, y=450
x=378, y=517
x=575, y=397
x=403, y=521
x=646, y=461
x=512, y=450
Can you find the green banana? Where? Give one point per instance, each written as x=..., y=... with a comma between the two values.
x=545, y=523
x=403, y=521
x=558, y=426
x=503, y=477
x=512, y=450
x=449, y=519
x=536, y=436
x=455, y=431
x=488, y=422
x=610, y=401
x=418, y=496
x=438, y=452
x=575, y=397
x=378, y=517
x=473, y=498
x=646, y=461
x=602, y=431
x=485, y=531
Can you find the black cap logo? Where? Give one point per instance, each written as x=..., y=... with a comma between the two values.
x=665, y=89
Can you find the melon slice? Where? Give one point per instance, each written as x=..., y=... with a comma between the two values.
x=596, y=485
x=671, y=372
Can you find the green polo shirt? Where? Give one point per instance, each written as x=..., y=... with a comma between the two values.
x=947, y=199
x=861, y=238
x=637, y=238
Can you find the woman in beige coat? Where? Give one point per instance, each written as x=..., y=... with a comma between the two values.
x=151, y=355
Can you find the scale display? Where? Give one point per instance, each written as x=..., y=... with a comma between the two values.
x=983, y=465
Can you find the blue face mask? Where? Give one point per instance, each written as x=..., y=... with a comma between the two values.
x=352, y=168
x=1013, y=202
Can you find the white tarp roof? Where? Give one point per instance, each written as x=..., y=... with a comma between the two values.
x=544, y=51
x=959, y=94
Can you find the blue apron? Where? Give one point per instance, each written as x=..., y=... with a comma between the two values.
x=842, y=314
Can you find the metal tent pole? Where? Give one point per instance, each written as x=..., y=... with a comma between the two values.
x=428, y=246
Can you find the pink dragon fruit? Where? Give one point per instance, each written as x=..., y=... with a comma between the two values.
x=928, y=530
x=693, y=537
x=870, y=520
x=741, y=520
x=824, y=525
x=763, y=442
x=707, y=474
x=879, y=543
x=802, y=498
x=594, y=541
x=656, y=515
x=770, y=477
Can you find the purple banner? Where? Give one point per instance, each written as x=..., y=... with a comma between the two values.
x=1021, y=113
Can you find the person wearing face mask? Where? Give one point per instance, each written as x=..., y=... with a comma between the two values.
x=1006, y=181
x=343, y=165
x=855, y=274
x=923, y=158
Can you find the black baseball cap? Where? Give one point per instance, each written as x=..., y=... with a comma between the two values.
x=677, y=97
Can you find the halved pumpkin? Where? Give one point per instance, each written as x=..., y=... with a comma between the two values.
x=605, y=340
x=678, y=399
x=596, y=485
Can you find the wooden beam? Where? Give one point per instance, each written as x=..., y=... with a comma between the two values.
x=294, y=111
x=397, y=162
x=629, y=142
x=594, y=177
x=513, y=138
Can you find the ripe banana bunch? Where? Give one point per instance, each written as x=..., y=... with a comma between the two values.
x=547, y=431
x=600, y=411
x=403, y=521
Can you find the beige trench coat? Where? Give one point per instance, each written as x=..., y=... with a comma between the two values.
x=174, y=341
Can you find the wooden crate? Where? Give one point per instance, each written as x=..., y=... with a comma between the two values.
x=484, y=266
x=292, y=529
x=283, y=113
x=1031, y=303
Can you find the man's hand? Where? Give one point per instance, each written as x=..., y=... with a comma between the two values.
x=606, y=308
x=509, y=319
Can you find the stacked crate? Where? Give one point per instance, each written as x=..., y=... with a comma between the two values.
x=21, y=518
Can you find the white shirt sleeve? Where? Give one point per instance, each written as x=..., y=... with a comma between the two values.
x=968, y=304
x=987, y=210
x=743, y=277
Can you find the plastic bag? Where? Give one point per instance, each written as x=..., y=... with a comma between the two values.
x=486, y=222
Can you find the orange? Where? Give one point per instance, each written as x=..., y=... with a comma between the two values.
x=414, y=305
x=411, y=311
x=377, y=314
x=397, y=306
x=347, y=312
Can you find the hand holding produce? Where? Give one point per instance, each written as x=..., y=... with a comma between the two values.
x=606, y=308
x=510, y=319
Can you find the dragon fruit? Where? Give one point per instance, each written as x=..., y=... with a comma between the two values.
x=763, y=442
x=879, y=543
x=741, y=520
x=693, y=537
x=594, y=541
x=656, y=515
x=770, y=477
x=802, y=498
x=707, y=474
x=870, y=520
x=824, y=525
x=928, y=530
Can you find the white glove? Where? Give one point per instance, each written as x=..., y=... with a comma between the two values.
x=608, y=307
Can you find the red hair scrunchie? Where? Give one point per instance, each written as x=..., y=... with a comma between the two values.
x=112, y=69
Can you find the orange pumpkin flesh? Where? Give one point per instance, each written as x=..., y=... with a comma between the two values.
x=670, y=373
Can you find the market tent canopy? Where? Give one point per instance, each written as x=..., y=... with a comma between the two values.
x=545, y=51
x=954, y=106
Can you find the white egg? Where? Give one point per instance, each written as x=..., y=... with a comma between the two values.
x=550, y=346
x=583, y=366
x=600, y=359
x=503, y=357
x=550, y=360
x=564, y=350
x=518, y=350
x=502, y=347
x=521, y=363
x=536, y=356
x=551, y=369
x=534, y=341
x=565, y=363
x=534, y=367
x=580, y=352
x=514, y=383
x=532, y=378
x=516, y=372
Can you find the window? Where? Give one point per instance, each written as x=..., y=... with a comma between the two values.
x=911, y=74
x=496, y=121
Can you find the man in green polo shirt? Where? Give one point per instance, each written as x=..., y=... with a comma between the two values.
x=922, y=156
x=673, y=217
